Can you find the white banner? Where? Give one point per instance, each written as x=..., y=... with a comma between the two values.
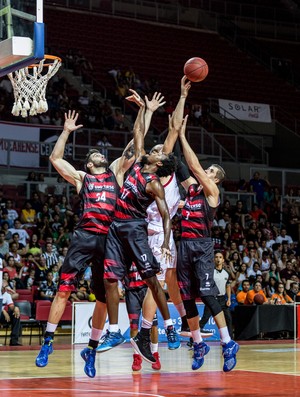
x=82, y=322
x=245, y=111
x=21, y=153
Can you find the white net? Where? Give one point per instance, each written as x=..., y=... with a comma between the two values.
x=29, y=85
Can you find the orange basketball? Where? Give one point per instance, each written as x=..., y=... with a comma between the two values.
x=195, y=69
x=258, y=299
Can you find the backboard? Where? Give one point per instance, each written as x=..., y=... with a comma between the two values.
x=21, y=34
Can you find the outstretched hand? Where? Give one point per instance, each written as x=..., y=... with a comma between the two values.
x=70, y=121
x=183, y=126
x=156, y=101
x=135, y=97
x=185, y=86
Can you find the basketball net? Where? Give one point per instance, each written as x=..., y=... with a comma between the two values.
x=29, y=85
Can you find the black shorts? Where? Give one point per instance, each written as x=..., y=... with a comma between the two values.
x=195, y=268
x=85, y=248
x=134, y=302
x=127, y=242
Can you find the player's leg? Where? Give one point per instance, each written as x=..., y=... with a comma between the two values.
x=189, y=289
x=154, y=344
x=134, y=300
x=100, y=312
x=73, y=266
x=114, y=270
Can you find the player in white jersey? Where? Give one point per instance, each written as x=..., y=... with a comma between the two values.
x=155, y=228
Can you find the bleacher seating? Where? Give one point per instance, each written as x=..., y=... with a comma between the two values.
x=108, y=42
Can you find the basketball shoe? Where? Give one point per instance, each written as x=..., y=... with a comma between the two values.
x=46, y=349
x=141, y=343
x=157, y=364
x=230, y=350
x=110, y=340
x=200, y=350
x=173, y=338
x=137, y=363
x=89, y=356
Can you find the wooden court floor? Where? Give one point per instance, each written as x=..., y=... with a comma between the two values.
x=265, y=368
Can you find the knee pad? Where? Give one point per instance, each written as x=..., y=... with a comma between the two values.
x=212, y=303
x=190, y=308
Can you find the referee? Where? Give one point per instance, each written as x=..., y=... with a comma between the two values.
x=223, y=282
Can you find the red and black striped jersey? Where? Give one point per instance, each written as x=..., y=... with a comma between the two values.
x=99, y=195
x=133, y=199
x=197, y=215
x=133, y=280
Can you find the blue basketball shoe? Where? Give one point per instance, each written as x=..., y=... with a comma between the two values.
x=46, y=349
x=173, y=338
x=89, y=356
x=230, y=350
x=200, y=350
x=110, y=340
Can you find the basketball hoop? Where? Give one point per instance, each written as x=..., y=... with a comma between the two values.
x=29, y=85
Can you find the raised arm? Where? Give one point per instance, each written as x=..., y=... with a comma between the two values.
x=210, y=188
x=65, y=169
x=175, y=121
x=123, y=163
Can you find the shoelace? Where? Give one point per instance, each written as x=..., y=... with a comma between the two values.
x=171, y=335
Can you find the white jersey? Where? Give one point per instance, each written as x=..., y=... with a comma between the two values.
x=172, y=197
x=156, y=230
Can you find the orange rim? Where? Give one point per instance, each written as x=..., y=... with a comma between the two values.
x=46, y=57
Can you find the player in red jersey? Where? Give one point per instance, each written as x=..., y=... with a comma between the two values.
x=98, y=187
x=128, y=238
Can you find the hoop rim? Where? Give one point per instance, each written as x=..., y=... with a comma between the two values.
x=46, y=57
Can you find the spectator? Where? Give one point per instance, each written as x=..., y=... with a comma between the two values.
x=104, y=144
x=11, y=316
x=40, y=270
x=60, y=188
x=257, y=289
x=21, y=248
x=293, y=291
x=42, y=187
x=284, y=237
x=24, y=236
x=4, y=246
x=48, y=287
x=288, y=272
x=258, y=186
x=12, y=214
x=9, y=286
x=13, y=262
x=271, y=287
x=241, y=295
x=281, y=297
x=82, y=292
x=273, y=272
x=240, y=276
x=28, y=215
x=33, y=245
x=51, y=258
x=29, y=280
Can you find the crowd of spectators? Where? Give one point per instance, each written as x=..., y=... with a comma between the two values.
x=261, y=256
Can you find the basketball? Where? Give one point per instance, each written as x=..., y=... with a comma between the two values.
x=195, y=69
x=258, y=299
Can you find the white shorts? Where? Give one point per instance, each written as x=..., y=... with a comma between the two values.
x=155, y=241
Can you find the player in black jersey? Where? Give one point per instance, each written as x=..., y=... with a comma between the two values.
x=98, y=187
x=195, y=256
x=128, y=239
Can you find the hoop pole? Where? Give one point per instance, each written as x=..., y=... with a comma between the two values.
x=39, y=11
